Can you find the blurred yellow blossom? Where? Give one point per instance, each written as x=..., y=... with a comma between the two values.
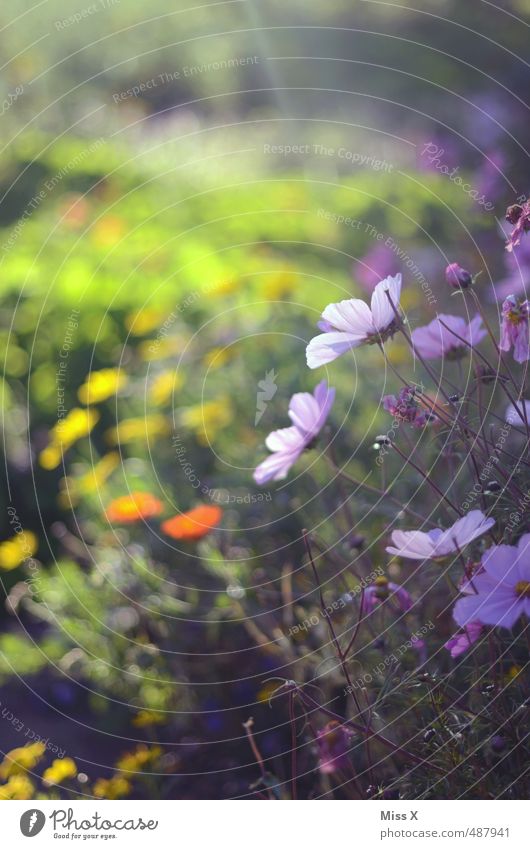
x=207, y=419
x=145, y=320
x=100, y=385
x=15, y=550
x=141, y=757
x=145, y=718
x=163, y=347
x=107, y=231
x=218, y=357
x=19, y=760
x=135, y=429
x=164, y=385
x=225, y=287
x=112, y=788
x=72, y=489
x=18, y=787
x=277, y=286
x=60, y=770
x=76, y=424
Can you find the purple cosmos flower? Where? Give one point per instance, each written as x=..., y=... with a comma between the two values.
x=458, y=277
x=501, y=593
x=514, y=328
x=518, y=215
x=378, y=263
x=308, y=414
x=349, y=324
x=461, y=642
x=417, y=545
x=383, y=589
x=405, y=408
x=441, y=340
x=333, y=743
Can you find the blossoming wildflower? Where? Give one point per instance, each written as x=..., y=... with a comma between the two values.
x=405, y=408
x=514, y=328
x=461, y=642
x=100, y=385
x=518, y=215
x=76, y=424
x=206, y=420
x=418, y=545
x=308, y=414
x=18, y=787
x=60, y=770
x=164, y=385
x=134, y=507
x=458, y=277
x=112, y=788
x=19, y=760
x=351, y=323
x=148, y=718
x=333, y=743
x=501, y=593
x=141, y=757
x=194, y=524
x=443, y=336
x=138, y=429
x=15, y=550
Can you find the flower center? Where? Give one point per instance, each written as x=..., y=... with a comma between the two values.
x=522, y=589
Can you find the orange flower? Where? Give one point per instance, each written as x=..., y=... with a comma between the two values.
x=194, y=524
x=133, y=507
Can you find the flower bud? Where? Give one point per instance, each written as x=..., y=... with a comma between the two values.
x=458, y=277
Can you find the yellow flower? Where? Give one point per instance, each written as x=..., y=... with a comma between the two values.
x=108, y=231
x=143, y=321
x=19, y=760
x=279, y=285
x=78, y=423
x=141, y=757
x=207, y=419
x=159, y=349
x=112, y=788
x=164, y=385
x=136, y=429
x=72, y=489
x=146, y=718
x=100, y=385
x=14, y=551
x=224, y=287
x=218, y=357
x=18, y=787
x=59, y=771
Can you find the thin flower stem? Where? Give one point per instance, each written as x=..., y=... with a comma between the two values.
x=427, y=479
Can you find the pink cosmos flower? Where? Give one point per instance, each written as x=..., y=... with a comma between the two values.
x=501, y=593
x=514, y=328
x=383, y=589
x=437, y=340
x=348, y=324
x=461, y=642
x=405, y=408
x=308, y=414
x=417, y=545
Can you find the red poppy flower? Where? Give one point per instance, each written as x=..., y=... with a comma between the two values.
x=133, y=507
x=194, y=524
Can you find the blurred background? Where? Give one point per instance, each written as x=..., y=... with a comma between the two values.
x=183, y=188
